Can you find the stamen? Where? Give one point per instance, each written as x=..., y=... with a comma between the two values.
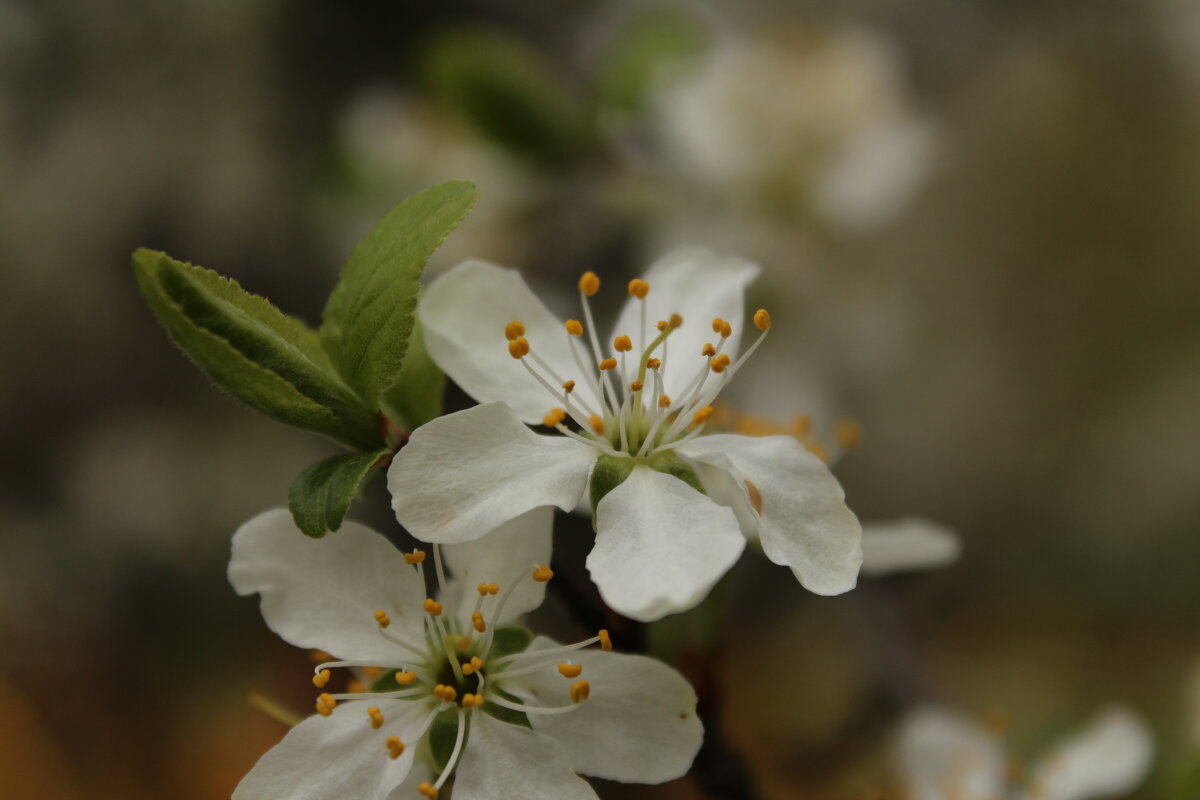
x=569, y=670
x=762, y=320
x=356, y=686
x=574, y=327
x=453, y=760
x=426, y=788
x=405, y=678
x=580, y=691
x=462, y=642
x=661, y=324
x=415, y=557
x=636, y=386
x=638, y=288
x=518, y=348
x=382, y=618
x=554, y=416
x=589, y=283
x=472, y=700
x=653, y=363
x=543, y=573
x=321, y=678
x=487, y=588
x=552, y=652
x=500, y=701
x=472, y=666
x=325, y=704
x=708, y=350
x=597, y=424
x=377, y=721
x=622, y=344
x=676, y=321
x=716, y=324
x=514, y=330
x=664, y=401
x=441, y=573
x=720, y=363
x=607, y=364
x=605, y=641
x=394, y=745
x=568, y=387
x=701, y=416
x=432, y=606
x=477, y=622
x=445, y=693
x=847, y=433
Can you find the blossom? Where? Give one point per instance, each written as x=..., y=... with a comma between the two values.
x=909, y=543
x=672, y=506
x=459, y=695
x=944, y=756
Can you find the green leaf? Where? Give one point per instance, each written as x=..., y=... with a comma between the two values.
x=510, y=94
x=263, y=357
x=321, y=495
x=369, y=317
x=416, y=396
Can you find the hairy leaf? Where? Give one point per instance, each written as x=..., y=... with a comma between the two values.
x=321, y=495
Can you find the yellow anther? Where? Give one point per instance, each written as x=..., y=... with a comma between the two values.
x=847, y=433
x=568, y=387
x=664, y=401
x=426, y=788
x=726, y=330
x=653, y=363
x=319, y=656
x=518, y=348
x=801, y=425
x=371, y=673
x=432, y=606
x=321, y=678
x=394, y=745
x=570, y=670
x=702, y=414
x=708, y=350
x=415, y=557
x=720, y=363
x=485, y=589
x=325, y=704
x=607, y=364
x=444, y=692
x=661, y=324
x=377, y=720
x=356, y=687
x=589, y=283
x=676, y=321
x=382, y=618
x=476, y=662
x=477, y=622
x=605, y=640
x=574, y=327
x=472, y=666
x=762, y=320
x=462, y=642
x=597, y=424
x=514, y=330
x=622, y=344
x=636, y=386
x=405, y=678
x=553, y=417
x=638, y=288
x=472, y=700
x=580, y=690
x=543, y=574
x=717, y=323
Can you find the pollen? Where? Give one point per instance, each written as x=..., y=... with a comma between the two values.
x=762, y=320
x=580, y=690
x=568, y=387
x=518, y=348
x=514, y=330
x=605, y=639
x=376, y=718
x=607, y=364
x=321, y=678
x=356, y=687
x=720, y=363
x=444, y=692
x=477, y=622
x=415, y=557
x=462, y=642
x=405, y=678
x=554, y=417
x=636, y=386
x=432, y=606
x=426, y=788
x=664, y=401
x=472, y=666
x=726, y=330
x=639, y=288
x=371, y=673
x=716, y=326
x=472, y=700
x=589, y=283
x=653, y=363
x=708, y=350
x=325, y=704
x=597, y=424
x=702, y=414
x=622, y=344
x=574, y=327
x=382, y=618
x=676, y=321
x=570, y=670
x=485, y=589
x=394, y=745
x=661, y=324
x=543, y=574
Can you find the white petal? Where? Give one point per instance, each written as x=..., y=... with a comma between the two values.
x=511, y=761
x=944, y=756
x=803, y=522
x=465, y=474
x=328, y=758
x=464, y=313
x=507, y=553
x=698, y=285
x=907, y=544
x=323, y=593
x=1107, y=758
x=660, y=545
x=638, y=726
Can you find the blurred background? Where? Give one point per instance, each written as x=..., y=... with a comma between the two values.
x=977, y=226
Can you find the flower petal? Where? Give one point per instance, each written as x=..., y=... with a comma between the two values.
x=660, y=545
x=465, y=474
x=1109, y=757
x=698, y=285
x=638, y=726
x=327, y=758
x=503, y=760
x=803, y=519
x=323, y=593
x=464, y=313
x=944, y=756
x=907, y=544
x=507, y=553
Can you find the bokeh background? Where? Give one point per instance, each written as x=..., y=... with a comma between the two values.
x=977, y=223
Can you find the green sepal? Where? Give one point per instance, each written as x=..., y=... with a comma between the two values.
x=271, y=361
x=416, y=396
x=509, y=715
x=368, y=319
x=509, y=639
x=608, y=473
x=442, y=735
x=668, y=462
x=321, y=495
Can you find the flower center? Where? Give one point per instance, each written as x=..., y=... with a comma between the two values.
x=635, y=418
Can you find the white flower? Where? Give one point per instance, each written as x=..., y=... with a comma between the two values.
x=911, y=543
x=661, y=543
x=944, y=756
x=460, y=696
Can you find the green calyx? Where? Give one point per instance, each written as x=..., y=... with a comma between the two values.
x=611, y=471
